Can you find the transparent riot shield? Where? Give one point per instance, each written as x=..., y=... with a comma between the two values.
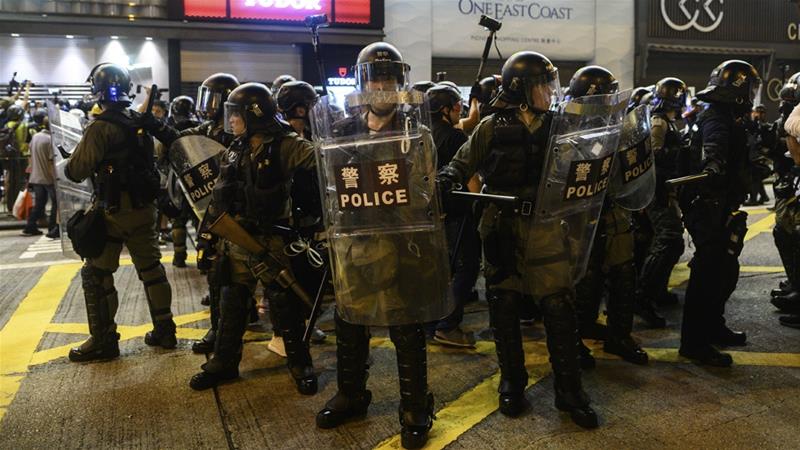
x=633, y=179
x=381, y=209
x=577, y=169
x=195, y=161
x=65, y=134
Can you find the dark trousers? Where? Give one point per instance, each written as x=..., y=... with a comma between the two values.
x=40, y=193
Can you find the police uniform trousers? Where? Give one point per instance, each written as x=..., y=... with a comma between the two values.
x=520, y=257
x=718, y=230
x=238, y=284
x=665, y=249
x=787, y=236
x=611, y=264
x=136, y=229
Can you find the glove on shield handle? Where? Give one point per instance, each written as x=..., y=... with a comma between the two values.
x=227, y=228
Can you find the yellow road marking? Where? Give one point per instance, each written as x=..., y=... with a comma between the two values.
x=472, y=407
x=761, y=226
x=23, y=331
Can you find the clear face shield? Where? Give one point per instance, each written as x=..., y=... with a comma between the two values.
x=208, y=103
x=544, y=91
x=382, y=76
x=235, y=122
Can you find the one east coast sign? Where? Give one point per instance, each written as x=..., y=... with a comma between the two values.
x=561, y=29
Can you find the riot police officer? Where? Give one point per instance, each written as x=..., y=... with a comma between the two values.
x=787, y=221
x=508, y=148
x=253, y=190
x=711, y=211
x=376, y=270
x=118, y=154
x=666, y=247
x=279, y=81
x=211, y=96
x=611, y=260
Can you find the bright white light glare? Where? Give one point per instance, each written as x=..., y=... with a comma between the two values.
x=148, y=38
x=14, y=34
x=115, y=37
x=69, y=36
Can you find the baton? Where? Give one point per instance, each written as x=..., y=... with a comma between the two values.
x=151, y=99
x=313, y=23
x=312, y=318
x=486, y=197
x=690, y=179
x=492, y=25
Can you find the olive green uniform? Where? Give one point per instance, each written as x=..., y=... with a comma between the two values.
x=131, y=221
x=521, y=257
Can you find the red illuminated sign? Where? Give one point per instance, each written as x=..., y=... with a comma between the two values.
x=340, y=11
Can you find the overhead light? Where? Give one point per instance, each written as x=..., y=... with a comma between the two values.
x=148, y=38
x=14, y=34
x=114, y=38
x=69, y=36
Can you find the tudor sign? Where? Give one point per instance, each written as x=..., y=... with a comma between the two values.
x=349, y=11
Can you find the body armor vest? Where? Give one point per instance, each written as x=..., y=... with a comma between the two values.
x=253, y=188
x=129, y=168
x=516, y=156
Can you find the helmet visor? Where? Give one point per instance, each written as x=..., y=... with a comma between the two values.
x=235, y=121
x=208, y=102
x=382, y=76
x=543, y=91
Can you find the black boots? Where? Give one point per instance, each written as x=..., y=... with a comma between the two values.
x=352, y=399
x=416, y=403
x=504, y=320
x=621, y=303
x=562, y=343
x=290, y=322
x=162, y=335
x=101, y=307
x=707, y=355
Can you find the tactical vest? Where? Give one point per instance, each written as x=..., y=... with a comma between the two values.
x=128, y=168
x=254, y=189
x=516, y=156
x=666, y=158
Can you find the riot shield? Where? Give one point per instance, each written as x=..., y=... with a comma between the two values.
x=577, y=169
x=381, y=209
x=65, y=134
x=195, y=161
x=633, y=179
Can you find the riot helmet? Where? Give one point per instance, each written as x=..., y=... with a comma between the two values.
x=636, y=97
x=251, y=106
x=39, y=116
x=380, y=67
x=790, y=92
x=111, y=83
x=443, y=96
x=211, y=95
x=15, y=113
x=423, y=86
x=669, y=95
x=181, y=108
x=488, y=88
x=733, y=82
x=592, y=80
x=530, y=80
x=280, y=80
x=296, y=94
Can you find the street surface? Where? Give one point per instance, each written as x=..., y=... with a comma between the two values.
x=143, y=399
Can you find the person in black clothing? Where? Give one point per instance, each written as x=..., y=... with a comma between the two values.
x=461, y=224
x=711, y=211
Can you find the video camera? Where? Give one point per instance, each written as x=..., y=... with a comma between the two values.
x=489, y=23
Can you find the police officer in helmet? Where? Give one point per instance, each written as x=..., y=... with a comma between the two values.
x=507, y=149
x=711, y=211
x=252, y=190
x=666, y=247
x=118, y=154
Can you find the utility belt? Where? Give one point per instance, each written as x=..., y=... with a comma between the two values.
x=111, y=182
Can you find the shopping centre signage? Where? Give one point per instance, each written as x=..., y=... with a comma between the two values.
x=561, y=29
x=724, y=20
x=345, y=11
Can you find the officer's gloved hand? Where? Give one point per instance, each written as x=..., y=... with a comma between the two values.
x=446, y=184
x=150, y=123
x=475, y=92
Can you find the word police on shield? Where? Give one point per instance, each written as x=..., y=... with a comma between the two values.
x=372, y=184
x=587, y=178
x=199, y=180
